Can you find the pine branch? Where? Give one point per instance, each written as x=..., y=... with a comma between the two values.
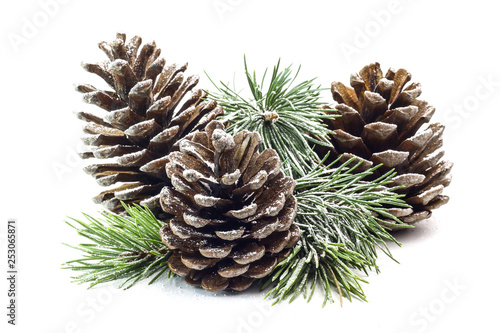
x=285, y=115
x=340, y=235
x=122, y=247
x=336, y=207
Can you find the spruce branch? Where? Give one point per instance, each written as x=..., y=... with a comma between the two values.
x=286, y=115
x=121, y=247
x=340, y=235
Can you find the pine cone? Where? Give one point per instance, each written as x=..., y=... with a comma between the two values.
x=233, y=209
x=381, y=124
x=143, y=121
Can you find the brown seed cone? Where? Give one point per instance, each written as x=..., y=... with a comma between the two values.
x=144, y=119
x=233, y=209
x=382, y=123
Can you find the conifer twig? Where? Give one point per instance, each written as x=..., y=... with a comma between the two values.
x=340, y=235
x=285, y=114
x=121, y=247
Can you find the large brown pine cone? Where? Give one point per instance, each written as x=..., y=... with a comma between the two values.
x=143, y=120
x=233, y=209
x=382, y=123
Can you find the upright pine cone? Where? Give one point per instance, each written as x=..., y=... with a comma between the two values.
x=381, y=124
x=233, y=209
x=143, y=121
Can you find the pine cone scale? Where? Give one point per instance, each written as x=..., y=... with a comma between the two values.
x=232, y=270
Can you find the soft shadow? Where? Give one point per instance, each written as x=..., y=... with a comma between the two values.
x=423, y=229
x=176, y=286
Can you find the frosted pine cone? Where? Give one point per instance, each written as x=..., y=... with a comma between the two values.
x=233, y=209
x=148, y=108
x=382, y=123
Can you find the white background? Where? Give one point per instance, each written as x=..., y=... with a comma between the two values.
x=445, y=279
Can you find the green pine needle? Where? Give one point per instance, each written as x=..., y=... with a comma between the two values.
x=340, y=236
x=122, y=247
x=285, y=115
